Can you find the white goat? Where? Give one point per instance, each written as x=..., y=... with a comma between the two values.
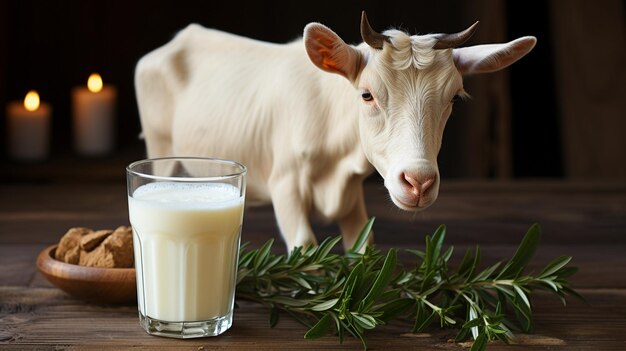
x=307, y=137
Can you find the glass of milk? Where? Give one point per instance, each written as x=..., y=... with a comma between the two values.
x=186, y=215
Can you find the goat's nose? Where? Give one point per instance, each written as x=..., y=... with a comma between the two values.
x=418, y=185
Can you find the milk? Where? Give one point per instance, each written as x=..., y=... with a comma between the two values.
x=186, y=240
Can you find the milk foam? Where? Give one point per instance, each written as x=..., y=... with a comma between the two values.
x=189, y=195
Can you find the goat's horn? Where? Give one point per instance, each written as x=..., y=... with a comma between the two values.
x=447, y=41
x=370, y=36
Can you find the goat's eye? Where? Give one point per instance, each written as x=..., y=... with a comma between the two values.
x=455, y=98
x=367, y=96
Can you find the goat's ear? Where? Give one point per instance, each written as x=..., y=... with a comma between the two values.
x=491, y=57
x=330, y=53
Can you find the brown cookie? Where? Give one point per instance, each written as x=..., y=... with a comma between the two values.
x=116, y=251
x=93, y=239
x=72, y=255
x=120, y=246
x=95, y=258
x=69, y=245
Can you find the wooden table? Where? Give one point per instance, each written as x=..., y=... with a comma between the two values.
x=585, y=220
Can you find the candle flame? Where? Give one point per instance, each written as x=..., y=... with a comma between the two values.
x=31, y=101
x=94, y=83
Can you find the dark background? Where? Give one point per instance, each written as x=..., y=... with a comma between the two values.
x=52, y=46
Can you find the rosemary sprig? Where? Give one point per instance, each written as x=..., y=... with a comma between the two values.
x=352, y=293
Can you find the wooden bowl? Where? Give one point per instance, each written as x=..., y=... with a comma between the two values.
x=93, y=284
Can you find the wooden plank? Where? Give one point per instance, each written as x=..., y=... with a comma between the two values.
x=37, y=317
x=475, y=211
x=592, y=100
x=18, y=264
x=43, y=213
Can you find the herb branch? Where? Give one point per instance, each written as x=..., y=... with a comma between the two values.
x=352, y=293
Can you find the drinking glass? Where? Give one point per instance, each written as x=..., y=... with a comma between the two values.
x=186, y=215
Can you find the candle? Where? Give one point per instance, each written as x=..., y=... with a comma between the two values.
x=94, y=117
x=28, y=128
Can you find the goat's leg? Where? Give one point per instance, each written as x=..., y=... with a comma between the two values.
x=354, y=221
x=291, y=212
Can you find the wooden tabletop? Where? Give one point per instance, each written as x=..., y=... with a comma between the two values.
x=584, y=220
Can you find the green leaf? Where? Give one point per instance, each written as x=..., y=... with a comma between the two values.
x=567, y=272
x=521, y=294
x=262, y=254
x=523, y=255
x=382, y=279
x=448, y=320
x=573, y=292
x=475, y=264
x=434, y=289
x=486, y=274
x=389, y=294
x=427, y=280
x=473, y=323
x=242, y=274
x=320, y=328
x=326, y=305
x=271, y=264
x=325, y=247
x=419, y=253
x=364, y=321
x=499, y=308
x=394, y=308
x=273, y=316
x=438, y=237
x=246, y=258
x=428, y=262
x=473, y=314
x=404, y=278
x=551, y=284
x=466, y=262
x=505, y=289
x=363, y=235
x=480, y=344
x=338, y=325
x=354, y=276
x=446, y=255
x=295, y=256
x=433, y=248
x=302, y=282
x=423, y=319
x=287, y=301
x=555, y=265
x=523, y=313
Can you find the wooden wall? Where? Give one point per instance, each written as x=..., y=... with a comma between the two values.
x=590, y=56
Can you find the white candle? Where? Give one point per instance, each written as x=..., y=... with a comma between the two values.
x=28, y=128
x=94, y=117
